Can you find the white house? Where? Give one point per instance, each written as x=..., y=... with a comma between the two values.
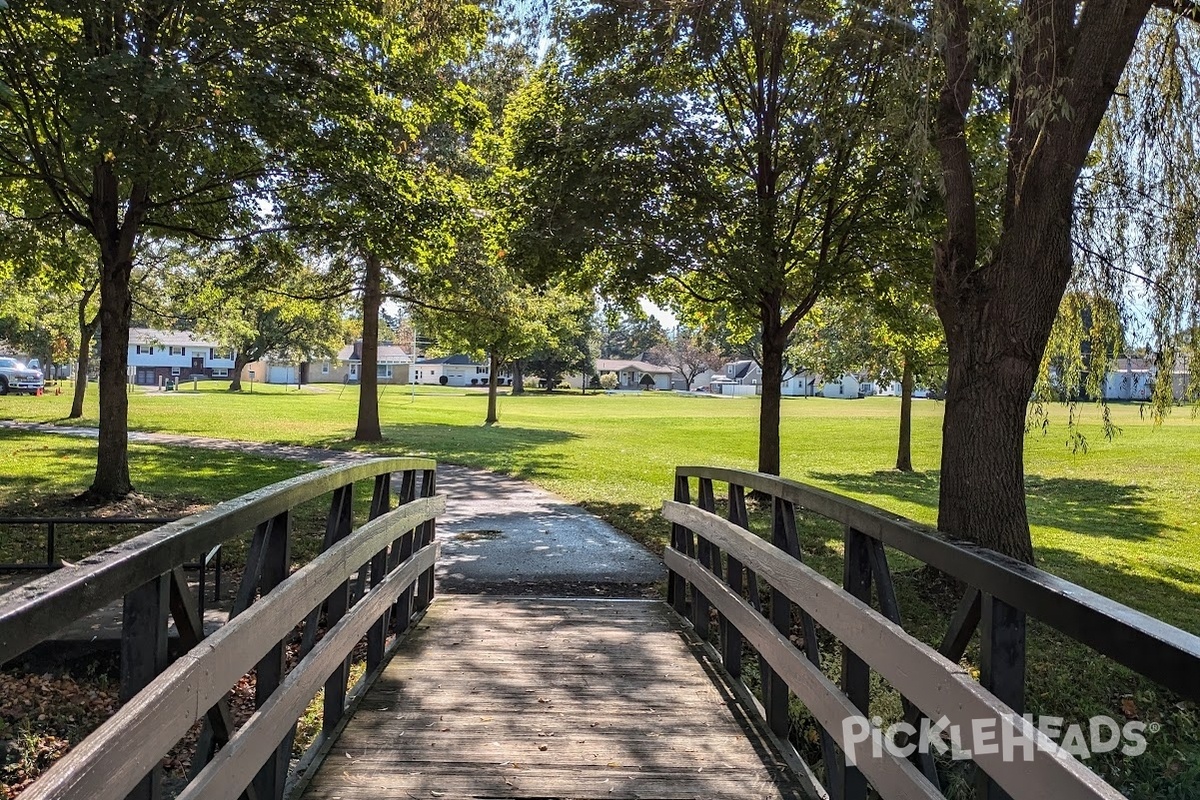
x=800, y=384
x=845, y=387
x=895, y=389
x=156, y=357
x=1134, y=379
x=455, y=370
x=630, y=374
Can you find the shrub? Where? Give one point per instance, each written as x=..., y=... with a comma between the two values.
x=609, y=380
x=443, y=380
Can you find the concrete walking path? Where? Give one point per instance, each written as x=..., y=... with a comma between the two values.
x=499, y=534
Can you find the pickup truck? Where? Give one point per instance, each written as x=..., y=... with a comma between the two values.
x=16, y=377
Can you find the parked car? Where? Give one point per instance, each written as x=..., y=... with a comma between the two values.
x=16, y=377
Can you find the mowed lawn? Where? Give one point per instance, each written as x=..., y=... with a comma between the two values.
x=1121, y=519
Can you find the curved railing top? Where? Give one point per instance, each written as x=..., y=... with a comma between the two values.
x=31, y=612
x=1144, y=643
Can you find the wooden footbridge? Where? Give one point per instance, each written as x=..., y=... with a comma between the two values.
x=489, y=697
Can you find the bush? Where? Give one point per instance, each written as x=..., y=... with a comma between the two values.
x=474, y=381
x=647, y=382
x=443, y=380
x=609, y=380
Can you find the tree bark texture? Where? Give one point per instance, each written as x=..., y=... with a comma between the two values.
x=368, y=380
x=518, y=378
x=239, y=364
x=83, y=357
x=493, y=379
x=998, y=314
x=904, y=448
x=115, y=234
x=774, y=342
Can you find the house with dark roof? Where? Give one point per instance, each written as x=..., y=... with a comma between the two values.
x=158, y=356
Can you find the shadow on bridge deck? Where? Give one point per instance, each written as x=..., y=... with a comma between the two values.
x=573, y=698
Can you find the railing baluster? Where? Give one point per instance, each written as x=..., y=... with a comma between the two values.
x=426, y=533
x=335, y=608
x=269, y=783
x=856, y=675
x=381, y=502
x=144, y=656
x=1001, y=669
x=676, y=586
x=700, y=607
x=400, y=550
x=731, y=637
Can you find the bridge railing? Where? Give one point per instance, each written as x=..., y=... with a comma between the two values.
x=715, y=562
x=371, y=581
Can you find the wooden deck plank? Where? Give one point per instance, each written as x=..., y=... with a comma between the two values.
x=527, y=698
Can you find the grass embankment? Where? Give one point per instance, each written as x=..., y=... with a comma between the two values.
x=1119, y=520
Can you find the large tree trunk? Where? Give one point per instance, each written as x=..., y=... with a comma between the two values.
x=904, y=449
x=493, y=369
x=773, y=345
x=997, y=326
x=239, y=364
x=83, y=357
x=368, y=379
x=112, y=481
x=518, y=378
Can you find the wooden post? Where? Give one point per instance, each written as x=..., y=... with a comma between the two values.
x=704, y=554
x=1001, y=669
x=269, y=783
x=381, y=502
x=676, y=586
x=401, y=549
x=731, y=637
x=427, y=531
x=144, y=655
x=856, y=675
x=335, y=608
x=775, y=690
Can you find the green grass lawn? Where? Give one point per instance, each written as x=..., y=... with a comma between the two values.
x=1120, y=519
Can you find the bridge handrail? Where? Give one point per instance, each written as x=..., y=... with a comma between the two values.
x=112, y=760
x=34, y=611
x=375, y=580
x=716, y=564
x=1143, y=643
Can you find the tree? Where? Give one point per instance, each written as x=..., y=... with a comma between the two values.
x=1049, y=70
x=888, y=333
x=631, y=336
x=250, y=300
x=732, y=153
x=373, y=196
x=141, y=120
x=688, y=355
x=566, y=343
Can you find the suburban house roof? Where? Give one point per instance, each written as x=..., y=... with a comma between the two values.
x=388, y=354
x=457, y=358
x=154, y=336
x=740, y=368
x=620, y=365
x=1138, y=364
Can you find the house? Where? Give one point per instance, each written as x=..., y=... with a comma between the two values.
x=800, y=384
x=1133, y=378
x=392, y=364
x=736, y=375
x=846, y=387
x=631, y=374
x=895, y=389
x=455, y=370
x=157, y=356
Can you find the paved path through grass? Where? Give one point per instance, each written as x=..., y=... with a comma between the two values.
x=499, y=534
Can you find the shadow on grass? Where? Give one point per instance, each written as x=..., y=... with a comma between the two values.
x=1090, y=507
x=513, y=451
